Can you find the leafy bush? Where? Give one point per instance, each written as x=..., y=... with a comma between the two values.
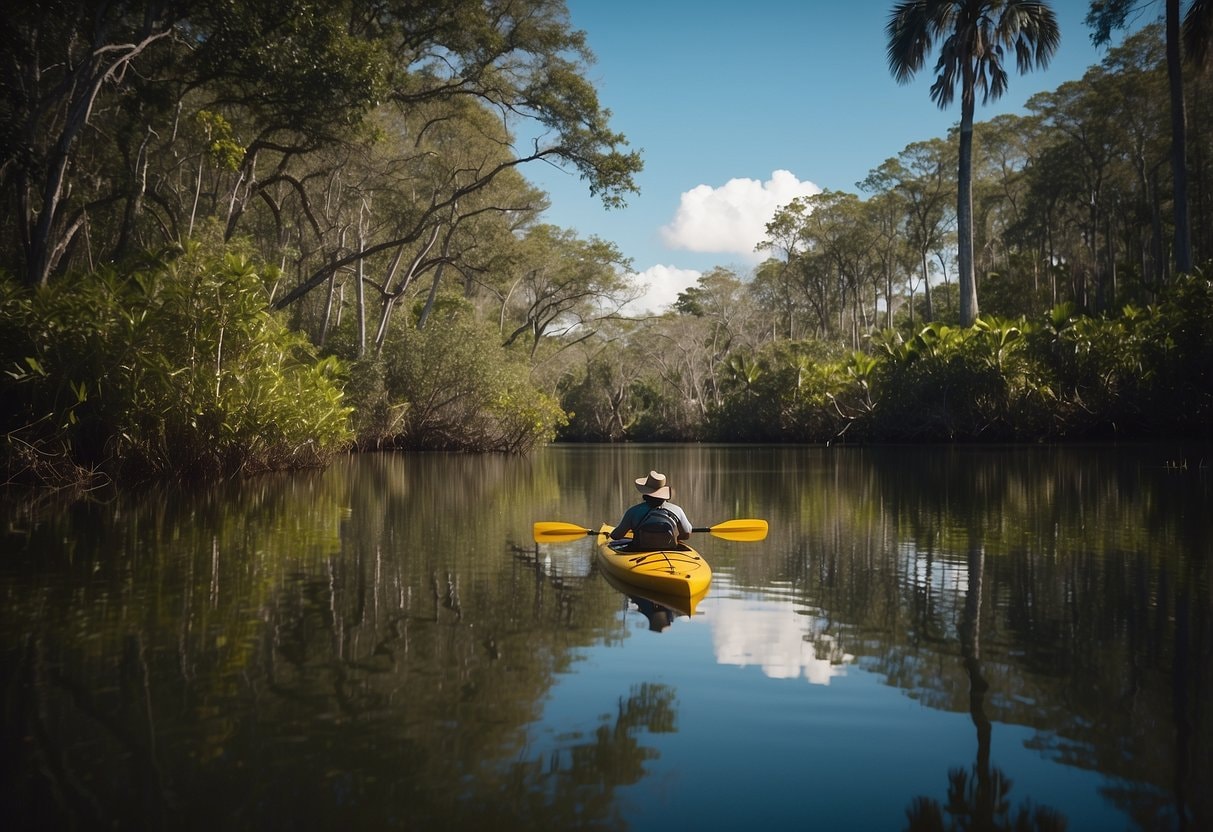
x=376, y=420
x=175, y=368
x=952, y=383
x=599, y=407
x=793, y=391
x=1176, y=346
x=1144, y=372
x=457, y=389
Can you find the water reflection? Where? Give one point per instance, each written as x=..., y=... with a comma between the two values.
x=382, y=644
x=787, y=642
x=659, y=608
x=978, y=797
x=312, y=647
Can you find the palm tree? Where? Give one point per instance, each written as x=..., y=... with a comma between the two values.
x=974, y=37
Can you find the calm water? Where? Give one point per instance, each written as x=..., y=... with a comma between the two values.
x=929, y=638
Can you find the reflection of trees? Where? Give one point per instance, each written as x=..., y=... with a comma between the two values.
x=573, y=786
x=319, y=645
x=978, y=800
x=345, y=647
x=1095, y=618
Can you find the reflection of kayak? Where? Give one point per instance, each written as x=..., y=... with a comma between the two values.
x=681, y=573
x=680, y=604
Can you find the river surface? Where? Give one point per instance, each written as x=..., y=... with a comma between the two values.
x=929, y=638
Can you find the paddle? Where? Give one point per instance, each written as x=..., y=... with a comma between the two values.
x=742, y=530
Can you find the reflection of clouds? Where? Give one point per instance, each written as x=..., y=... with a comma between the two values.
x=785, y=641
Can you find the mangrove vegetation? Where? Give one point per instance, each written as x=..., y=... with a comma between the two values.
x=246, y=236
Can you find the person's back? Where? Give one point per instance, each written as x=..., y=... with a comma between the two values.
x=657, y=529
x=655, y=523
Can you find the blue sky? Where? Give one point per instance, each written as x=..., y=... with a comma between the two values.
x=738, y=107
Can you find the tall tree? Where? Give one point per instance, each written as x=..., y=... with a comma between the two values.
x=1084, y=117
x=974, y=37
x=1193, y=35
x=785, y=239
x=58, y=61
x=735, y=320
x=886, y=210
x=1198, y=33
x=564, y=285
x=921, y=179
x=97, y=100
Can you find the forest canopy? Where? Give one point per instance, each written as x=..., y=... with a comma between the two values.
x=346, y=184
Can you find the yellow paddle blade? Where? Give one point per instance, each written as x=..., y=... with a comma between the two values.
x=738, y=526
x=741, y=530
x=557, y=537
x=557, y=532
x=544, y=528
x=745, y=537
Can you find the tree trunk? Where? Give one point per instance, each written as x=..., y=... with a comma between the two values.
x=328, y=309
x=1179, y=166
x=390, y=296
x=41, y=258
x=964, y=206
x=429, y=301
x=359, y=277
x=926, y=290
x=970, y=648
x=888, y=297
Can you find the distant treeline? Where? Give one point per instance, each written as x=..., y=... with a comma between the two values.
x=249, y=236
x=849, y=331
x=1144, y=372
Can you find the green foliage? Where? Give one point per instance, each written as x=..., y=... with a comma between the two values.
x=951, y=383
x=1087, y=362
x=1148, y=370
x=458, y=389
x=226, y=151
x=173, y=369
x=376, y=420
x=661, y=413
x=1145, y=372
x=297, y=64
x=359, y=143
x=786, y=393
x=596, y=406
x=1177, y=359
x=288, y=100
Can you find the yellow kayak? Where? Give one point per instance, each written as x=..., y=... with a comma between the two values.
x=680, y=573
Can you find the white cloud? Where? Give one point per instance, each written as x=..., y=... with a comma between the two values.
x=660, y=285
x=732, y=219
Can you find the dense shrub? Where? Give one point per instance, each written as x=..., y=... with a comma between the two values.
x=1177, y=360
x=1144, y=372
x=453, y=387
x=171, y=368
x=591, y=401
x=951, y=383
x=790, y=392
x=376, y=420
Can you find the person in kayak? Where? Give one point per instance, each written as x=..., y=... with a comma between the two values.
x=655, y=522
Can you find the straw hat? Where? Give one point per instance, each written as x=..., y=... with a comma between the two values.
x=654, y=485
